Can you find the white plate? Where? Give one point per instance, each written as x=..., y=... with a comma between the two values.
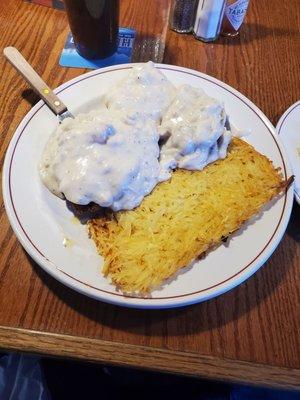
x=288, y=128
x=41, y=221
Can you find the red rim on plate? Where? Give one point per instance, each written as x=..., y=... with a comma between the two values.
x=279, y=129
x=286, y=208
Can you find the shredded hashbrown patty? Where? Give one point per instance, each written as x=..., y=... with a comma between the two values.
x=183, y=218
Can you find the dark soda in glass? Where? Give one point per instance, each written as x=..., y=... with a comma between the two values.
x=94, y=26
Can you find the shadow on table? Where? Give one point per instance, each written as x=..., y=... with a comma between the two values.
x=30, y=96
x=250, y=32
x=179, y=321
x=293, y=229
x=254, y=31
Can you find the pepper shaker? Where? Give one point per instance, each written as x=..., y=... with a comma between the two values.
x=182, y=15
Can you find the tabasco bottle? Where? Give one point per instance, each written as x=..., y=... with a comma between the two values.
x=234, y=15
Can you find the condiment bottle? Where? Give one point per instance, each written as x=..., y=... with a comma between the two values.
x=182, y=15
x=234, y=15
x=208, y=19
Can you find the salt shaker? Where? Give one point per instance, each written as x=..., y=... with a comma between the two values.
x=182, y=15
x=208, y=19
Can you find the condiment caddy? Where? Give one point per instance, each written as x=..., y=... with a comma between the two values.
x=206, y=19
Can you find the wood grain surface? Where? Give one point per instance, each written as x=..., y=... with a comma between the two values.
x=250, y=334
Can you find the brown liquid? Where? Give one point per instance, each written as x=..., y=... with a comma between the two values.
x=233, y=7
x=227, y=29
x=94, y=26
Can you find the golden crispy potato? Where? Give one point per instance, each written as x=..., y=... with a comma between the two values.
x=183, y=218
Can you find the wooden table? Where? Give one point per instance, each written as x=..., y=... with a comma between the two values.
x=249, y=335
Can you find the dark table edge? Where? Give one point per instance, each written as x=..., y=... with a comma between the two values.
x=149, y=358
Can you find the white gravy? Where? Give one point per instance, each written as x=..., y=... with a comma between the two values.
x=112, y=157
